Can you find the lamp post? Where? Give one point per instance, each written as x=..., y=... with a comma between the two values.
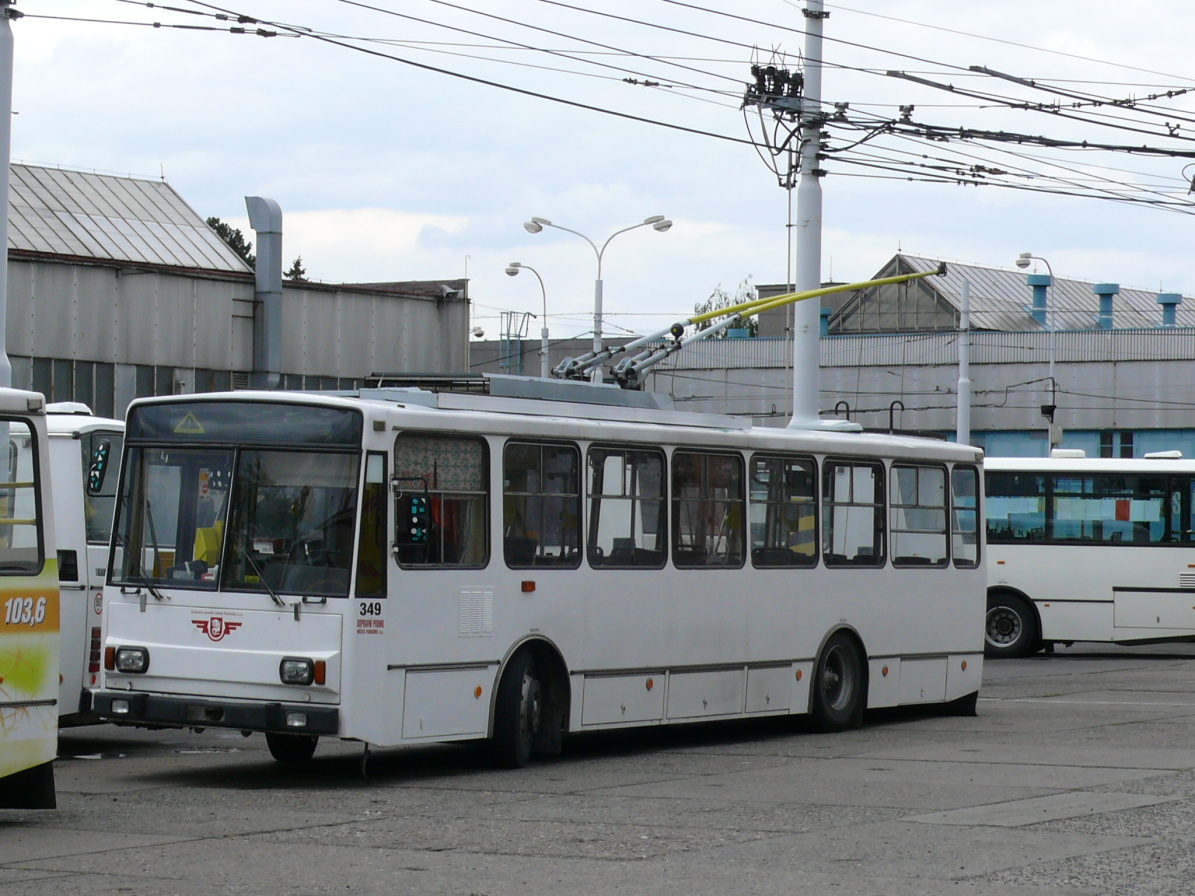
x=1023, y=262
x=655, y=222
x=512, y=270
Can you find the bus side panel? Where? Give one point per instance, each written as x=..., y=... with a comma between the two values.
x=453, y=703
x=622, y=699
x=71, y=535
x=29, y=627
x=701, y=695
x=1140, y=612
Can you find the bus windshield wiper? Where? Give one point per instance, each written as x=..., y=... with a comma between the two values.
x=149, y=585
x=260, y=576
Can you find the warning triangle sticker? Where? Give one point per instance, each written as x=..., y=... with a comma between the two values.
x=189, y=426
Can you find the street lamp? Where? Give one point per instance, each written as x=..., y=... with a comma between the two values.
x=1023, y=262
x=512, y=270
x=655, y=222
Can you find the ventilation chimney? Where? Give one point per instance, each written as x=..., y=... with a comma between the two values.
x=1106, y=291
x=1039, y=282
x=265, y=217
x=1169, y=302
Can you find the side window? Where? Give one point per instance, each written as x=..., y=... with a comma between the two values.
x=21, y=546
x=783, y=511
x=101, y=460
x=452, y=472
x=1015, y=507
x=918, y=515
x=1180, y=513
x=371, y=544
x=964, y=503
x=707, y=510
x=853, y=513
x=626, y=508
x=541, y=505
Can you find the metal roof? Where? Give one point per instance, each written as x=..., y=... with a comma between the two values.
x=52, y=211
x=1001, y=300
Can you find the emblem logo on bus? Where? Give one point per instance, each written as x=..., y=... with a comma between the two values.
x=216, y=627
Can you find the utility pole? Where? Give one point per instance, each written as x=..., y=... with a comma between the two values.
x=807, y=315
x=7, y=13
x=797, y=98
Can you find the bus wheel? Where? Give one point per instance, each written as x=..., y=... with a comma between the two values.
x=517, y=713
x=1010, y=629
x=291, y=747
x=838, y=685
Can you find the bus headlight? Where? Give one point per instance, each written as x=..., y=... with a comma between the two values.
x=296, y=670
x=133, y=660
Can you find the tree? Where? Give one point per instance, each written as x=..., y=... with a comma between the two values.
x=297, y=271
x=235, y=239
x=720, y=298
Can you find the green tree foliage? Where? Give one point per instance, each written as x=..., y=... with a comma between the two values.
x=235, y=239
x=720, y=298
x=297, y=271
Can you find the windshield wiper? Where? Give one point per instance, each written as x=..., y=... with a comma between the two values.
x=153, y=537
x=260, y=575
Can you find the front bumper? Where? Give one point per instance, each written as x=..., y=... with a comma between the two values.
x=199, y=712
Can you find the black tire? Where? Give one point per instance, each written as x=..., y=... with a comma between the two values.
x=518, y=713
x=291, y=748
x=838, y=685
x=1010, y=628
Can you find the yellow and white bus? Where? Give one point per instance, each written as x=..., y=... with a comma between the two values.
x=405, y=566
x=29, y=613
x=1089, y=549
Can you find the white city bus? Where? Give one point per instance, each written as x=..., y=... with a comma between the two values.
x=28, y=609
x=84, y=456
x=408, y=566
x=1089, y=549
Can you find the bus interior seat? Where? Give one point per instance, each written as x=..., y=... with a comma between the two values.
x=207, y=543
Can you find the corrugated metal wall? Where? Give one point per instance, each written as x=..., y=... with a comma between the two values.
x=1126, y=379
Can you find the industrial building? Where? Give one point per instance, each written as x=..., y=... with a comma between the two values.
x=1067, y=363
x=117, y=289
x=1111, y=366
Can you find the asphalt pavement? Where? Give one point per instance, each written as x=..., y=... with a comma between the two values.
x=1077, y=776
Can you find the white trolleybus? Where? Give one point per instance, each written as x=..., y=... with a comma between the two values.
x=405, y=566
x=84, y=457
x=1087, y=549
x=29, y=605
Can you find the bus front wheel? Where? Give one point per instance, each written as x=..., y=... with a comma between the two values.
x=518, y=712
x=1010, y=628
x=291, y=747
x=838, y=685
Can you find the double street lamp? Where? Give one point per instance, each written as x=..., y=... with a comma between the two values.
x=655, y=222
x=512, y=270
x=1048, y=318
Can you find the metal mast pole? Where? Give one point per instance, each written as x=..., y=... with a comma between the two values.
x=6, y=58
x=963, y=420
x=807, y=315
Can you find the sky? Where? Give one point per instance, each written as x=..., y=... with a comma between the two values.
x=411, y=139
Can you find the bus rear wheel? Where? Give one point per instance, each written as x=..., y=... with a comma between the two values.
x=838, y=684
x=518, y=713
x=291, y=748
x=1010, y=628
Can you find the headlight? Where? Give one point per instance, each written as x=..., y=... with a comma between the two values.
x=132, y=659
x=294, y=670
